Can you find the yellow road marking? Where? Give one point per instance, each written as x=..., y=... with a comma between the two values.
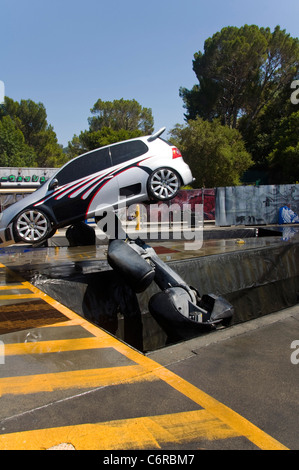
x=12, y=286
x=138, y=433
x=62, y=323
x=221, y=411
x=43, y=347
x=17, y=296
x=73, y=379
x=147, y=369
x=95, y=330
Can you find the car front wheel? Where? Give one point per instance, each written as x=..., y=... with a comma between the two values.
x=31, y=226
x=163, y=184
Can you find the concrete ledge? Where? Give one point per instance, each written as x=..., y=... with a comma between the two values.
x=181, y=351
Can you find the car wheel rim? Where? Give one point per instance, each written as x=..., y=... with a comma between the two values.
x=32, y=226
x=164, y=183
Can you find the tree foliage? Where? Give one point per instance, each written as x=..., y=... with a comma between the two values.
x=262, y=133
x=215, y=153
x=28, y=140
x=240, y=72
x=128, y=115
x=284, y=158
x=28, y=121
x=112, y=122
x=244, y=79
x=13, y=149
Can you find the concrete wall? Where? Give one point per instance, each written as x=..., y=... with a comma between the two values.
x=254, y=205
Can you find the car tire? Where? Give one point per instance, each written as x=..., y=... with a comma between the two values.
x=163, y=184
x=32, y=226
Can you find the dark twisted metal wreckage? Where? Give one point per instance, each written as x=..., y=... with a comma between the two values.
x=179, y=309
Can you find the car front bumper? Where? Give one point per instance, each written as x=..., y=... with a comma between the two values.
x=6, y=236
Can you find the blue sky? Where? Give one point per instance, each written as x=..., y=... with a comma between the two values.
x=68, y=53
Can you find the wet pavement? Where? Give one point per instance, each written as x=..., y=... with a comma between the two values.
x=66, y=382
x=95, y=257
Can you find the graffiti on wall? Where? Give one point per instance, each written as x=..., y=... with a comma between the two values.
x=254, y=205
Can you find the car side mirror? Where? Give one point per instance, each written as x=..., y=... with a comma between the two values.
x=53, y=184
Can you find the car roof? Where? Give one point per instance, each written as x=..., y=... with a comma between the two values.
x=148, y=138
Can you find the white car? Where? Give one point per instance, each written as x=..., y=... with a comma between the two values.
x=135, y=170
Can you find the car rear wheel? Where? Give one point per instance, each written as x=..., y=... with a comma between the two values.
x=31, y=226
x=163, y=184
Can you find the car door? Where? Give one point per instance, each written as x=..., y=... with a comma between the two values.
x=131, y=178
x=81, y=185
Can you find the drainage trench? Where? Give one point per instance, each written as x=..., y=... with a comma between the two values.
x=258, y=275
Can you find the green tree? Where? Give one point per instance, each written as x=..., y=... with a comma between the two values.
x=29, y=116
x=215, y=153
x=13, y=149
x=50, y=153
x=30, y=119
x=121, y=114
x=284, y=159
x=240, y=72
x=89, y=140
x=262, y=133
x=112, y=122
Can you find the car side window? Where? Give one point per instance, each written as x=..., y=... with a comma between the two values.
x=84, y=165
x=127, y=150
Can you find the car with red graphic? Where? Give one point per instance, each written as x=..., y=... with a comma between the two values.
x=142, y=169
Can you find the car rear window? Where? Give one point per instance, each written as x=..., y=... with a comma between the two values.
x=84, y=165
x=127, y=150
